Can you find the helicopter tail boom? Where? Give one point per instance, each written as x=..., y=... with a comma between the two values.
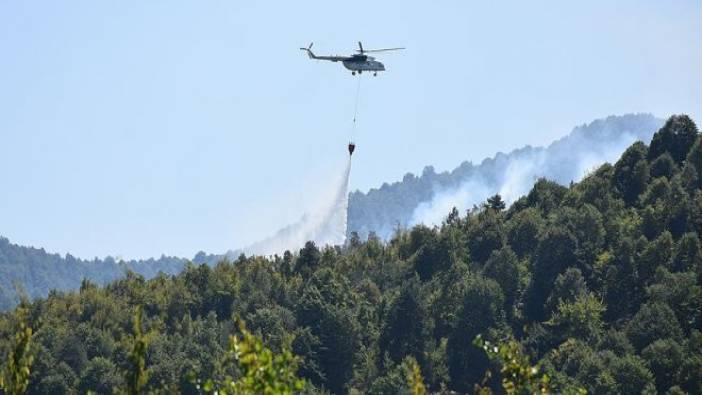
x=309, y=51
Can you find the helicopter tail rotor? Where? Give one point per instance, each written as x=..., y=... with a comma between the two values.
x=309, y=51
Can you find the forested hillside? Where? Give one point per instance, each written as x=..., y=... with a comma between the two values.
x=36, y=272
x=406, y=202
x=600, y=283
x=380, y=210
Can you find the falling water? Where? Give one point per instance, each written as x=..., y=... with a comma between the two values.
x=325, y=225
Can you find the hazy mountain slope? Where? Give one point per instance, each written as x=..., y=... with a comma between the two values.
x=37, y=272
x=427, y=198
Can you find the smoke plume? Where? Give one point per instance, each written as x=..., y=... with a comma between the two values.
x=512, y=176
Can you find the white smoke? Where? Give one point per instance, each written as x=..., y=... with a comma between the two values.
x=325, y=224
x=519, y=173
x=434, y=211
x=512, y=176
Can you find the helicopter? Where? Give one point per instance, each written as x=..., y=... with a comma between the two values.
x=358, y=62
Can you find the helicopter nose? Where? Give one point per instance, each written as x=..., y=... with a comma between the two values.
x=382, y=67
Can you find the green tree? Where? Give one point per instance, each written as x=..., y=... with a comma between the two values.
x=631, y=172
x=503, y=268
x=676, y=137
x=665, y=358
x=664, y=166
x=657, y=190
x=657, y=253
x=100, y=376
x=72, y=351
x=263, y=372
x=694, y=159
x=431, y=257
x=286, y=266
x=569, y=286
x=688, y=253
x=415, y=379
x=496, y=203
x=485, y=235
x=579, y=319
x=481, y=309
x=447, y=301
x=596, y=189
x=523, y=231
x=402, y=378
x=61, y=381
x=573, y=365
x=586, y=226
x=518, y=374
x=692, y=364
x=419, y=236
x=308, y=260
x=137, y=375
x=689, y=178
x=546, y=195
x=617, y=342
x=681, y=292
x=273, y=325
x=15, y=375
x=623, y=292
x=406, y=327
x=631, y=374
x=677, y=209
x=555, y=252
x=654, y=321
x=324, y=307
x=260, y=370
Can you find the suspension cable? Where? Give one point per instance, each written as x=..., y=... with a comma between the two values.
x=355, y=109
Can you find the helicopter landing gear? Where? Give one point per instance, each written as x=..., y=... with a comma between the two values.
x=375, y=74
x=353, y=73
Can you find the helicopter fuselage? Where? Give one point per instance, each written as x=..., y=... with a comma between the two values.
x=363, y=63
x=368, y=65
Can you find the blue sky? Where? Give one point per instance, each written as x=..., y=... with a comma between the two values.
x=149, y=127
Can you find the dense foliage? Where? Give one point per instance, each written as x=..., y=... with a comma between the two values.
x=599, y=284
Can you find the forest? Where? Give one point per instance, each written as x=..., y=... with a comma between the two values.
x=36, y=272
x=380, y=210
x=592, y=287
